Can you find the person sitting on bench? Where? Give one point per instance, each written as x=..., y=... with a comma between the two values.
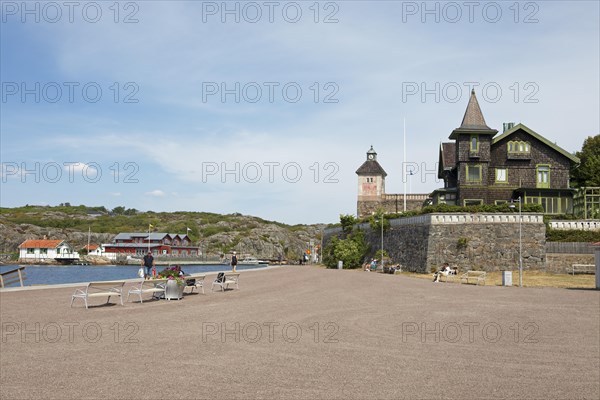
x=444, y=271
x=183, y=275
x=373, y=265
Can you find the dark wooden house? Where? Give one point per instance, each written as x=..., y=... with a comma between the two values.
x=481, y=167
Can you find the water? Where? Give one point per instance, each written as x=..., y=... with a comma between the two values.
x=55, y=274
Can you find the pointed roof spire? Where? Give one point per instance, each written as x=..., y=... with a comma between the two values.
x=473, y=121
x=473, y=117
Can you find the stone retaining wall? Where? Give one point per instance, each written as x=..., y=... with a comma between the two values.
x=487, y=242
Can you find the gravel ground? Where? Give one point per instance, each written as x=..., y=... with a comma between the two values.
x=302, y=332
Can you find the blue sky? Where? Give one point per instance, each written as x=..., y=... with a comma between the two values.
x=266, y=108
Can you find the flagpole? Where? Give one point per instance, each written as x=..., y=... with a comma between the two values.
x=404, y=164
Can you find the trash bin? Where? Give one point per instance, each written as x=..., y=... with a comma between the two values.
x=340, y=264
x=506, y=278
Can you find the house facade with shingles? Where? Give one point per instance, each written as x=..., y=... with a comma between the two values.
x=481, y=167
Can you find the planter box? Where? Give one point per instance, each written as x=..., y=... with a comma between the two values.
x=174, y=291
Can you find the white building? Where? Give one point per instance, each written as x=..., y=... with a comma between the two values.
x=46, y=249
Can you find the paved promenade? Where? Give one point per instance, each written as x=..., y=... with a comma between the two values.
x=302, y=332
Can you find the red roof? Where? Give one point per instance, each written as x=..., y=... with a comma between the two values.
x=42, y=244
x=91, y=247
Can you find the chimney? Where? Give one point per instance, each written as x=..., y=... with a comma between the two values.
x=507, y=126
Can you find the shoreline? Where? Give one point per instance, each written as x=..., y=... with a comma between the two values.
x=127, y=280
x=128, y=264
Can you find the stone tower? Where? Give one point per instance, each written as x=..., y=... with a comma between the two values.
x=371, y=184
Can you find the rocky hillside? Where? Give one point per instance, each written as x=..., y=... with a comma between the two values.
x=214, y=233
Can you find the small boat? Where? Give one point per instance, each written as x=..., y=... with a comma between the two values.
x=252, y=261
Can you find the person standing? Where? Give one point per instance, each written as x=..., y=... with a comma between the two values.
x=148, y=263
x=233, y=262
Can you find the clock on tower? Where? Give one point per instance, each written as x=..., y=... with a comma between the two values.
x=371, y=154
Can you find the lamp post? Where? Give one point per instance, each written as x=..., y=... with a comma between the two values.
x=382, y=262
x=380, y=220
x=520, y=243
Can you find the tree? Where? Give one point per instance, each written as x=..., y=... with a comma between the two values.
x=118, y=210
x=347, y=222
x=377, y=219
x=351, y=251
x=588, y=172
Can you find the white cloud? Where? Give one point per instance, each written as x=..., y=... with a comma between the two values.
x=155, y=193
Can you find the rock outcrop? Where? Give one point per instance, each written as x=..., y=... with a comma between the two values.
x=214, y=234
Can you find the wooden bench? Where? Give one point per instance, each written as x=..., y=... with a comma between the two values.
x=12, y=276
x=225, y=279
x=478, y=276
x=583, y=269
x=145, y=286
x=99, y=289
x=198, y=284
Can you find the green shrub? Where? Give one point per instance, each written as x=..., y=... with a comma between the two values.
x=351, y=251
x=553, y=235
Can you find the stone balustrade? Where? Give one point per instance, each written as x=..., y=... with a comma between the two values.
x=579, y=225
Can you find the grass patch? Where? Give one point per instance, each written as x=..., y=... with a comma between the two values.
x=531, y=279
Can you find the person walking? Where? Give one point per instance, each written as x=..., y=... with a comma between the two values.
x=233, y=262
x=148, y=263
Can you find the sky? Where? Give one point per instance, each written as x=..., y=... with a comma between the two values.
x=268, y=108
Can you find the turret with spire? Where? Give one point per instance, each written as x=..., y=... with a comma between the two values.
x=473, y=121
x=473, y=136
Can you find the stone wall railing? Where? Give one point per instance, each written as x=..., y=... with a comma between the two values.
x=492, y=218
x=455, y=218
x=580, y=225
x=409, y=197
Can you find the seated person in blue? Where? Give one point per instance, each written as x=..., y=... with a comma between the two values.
x=373, y=265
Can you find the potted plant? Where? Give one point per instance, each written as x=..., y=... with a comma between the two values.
x=175, y=284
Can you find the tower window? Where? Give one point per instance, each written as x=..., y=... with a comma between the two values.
x=474, y=143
